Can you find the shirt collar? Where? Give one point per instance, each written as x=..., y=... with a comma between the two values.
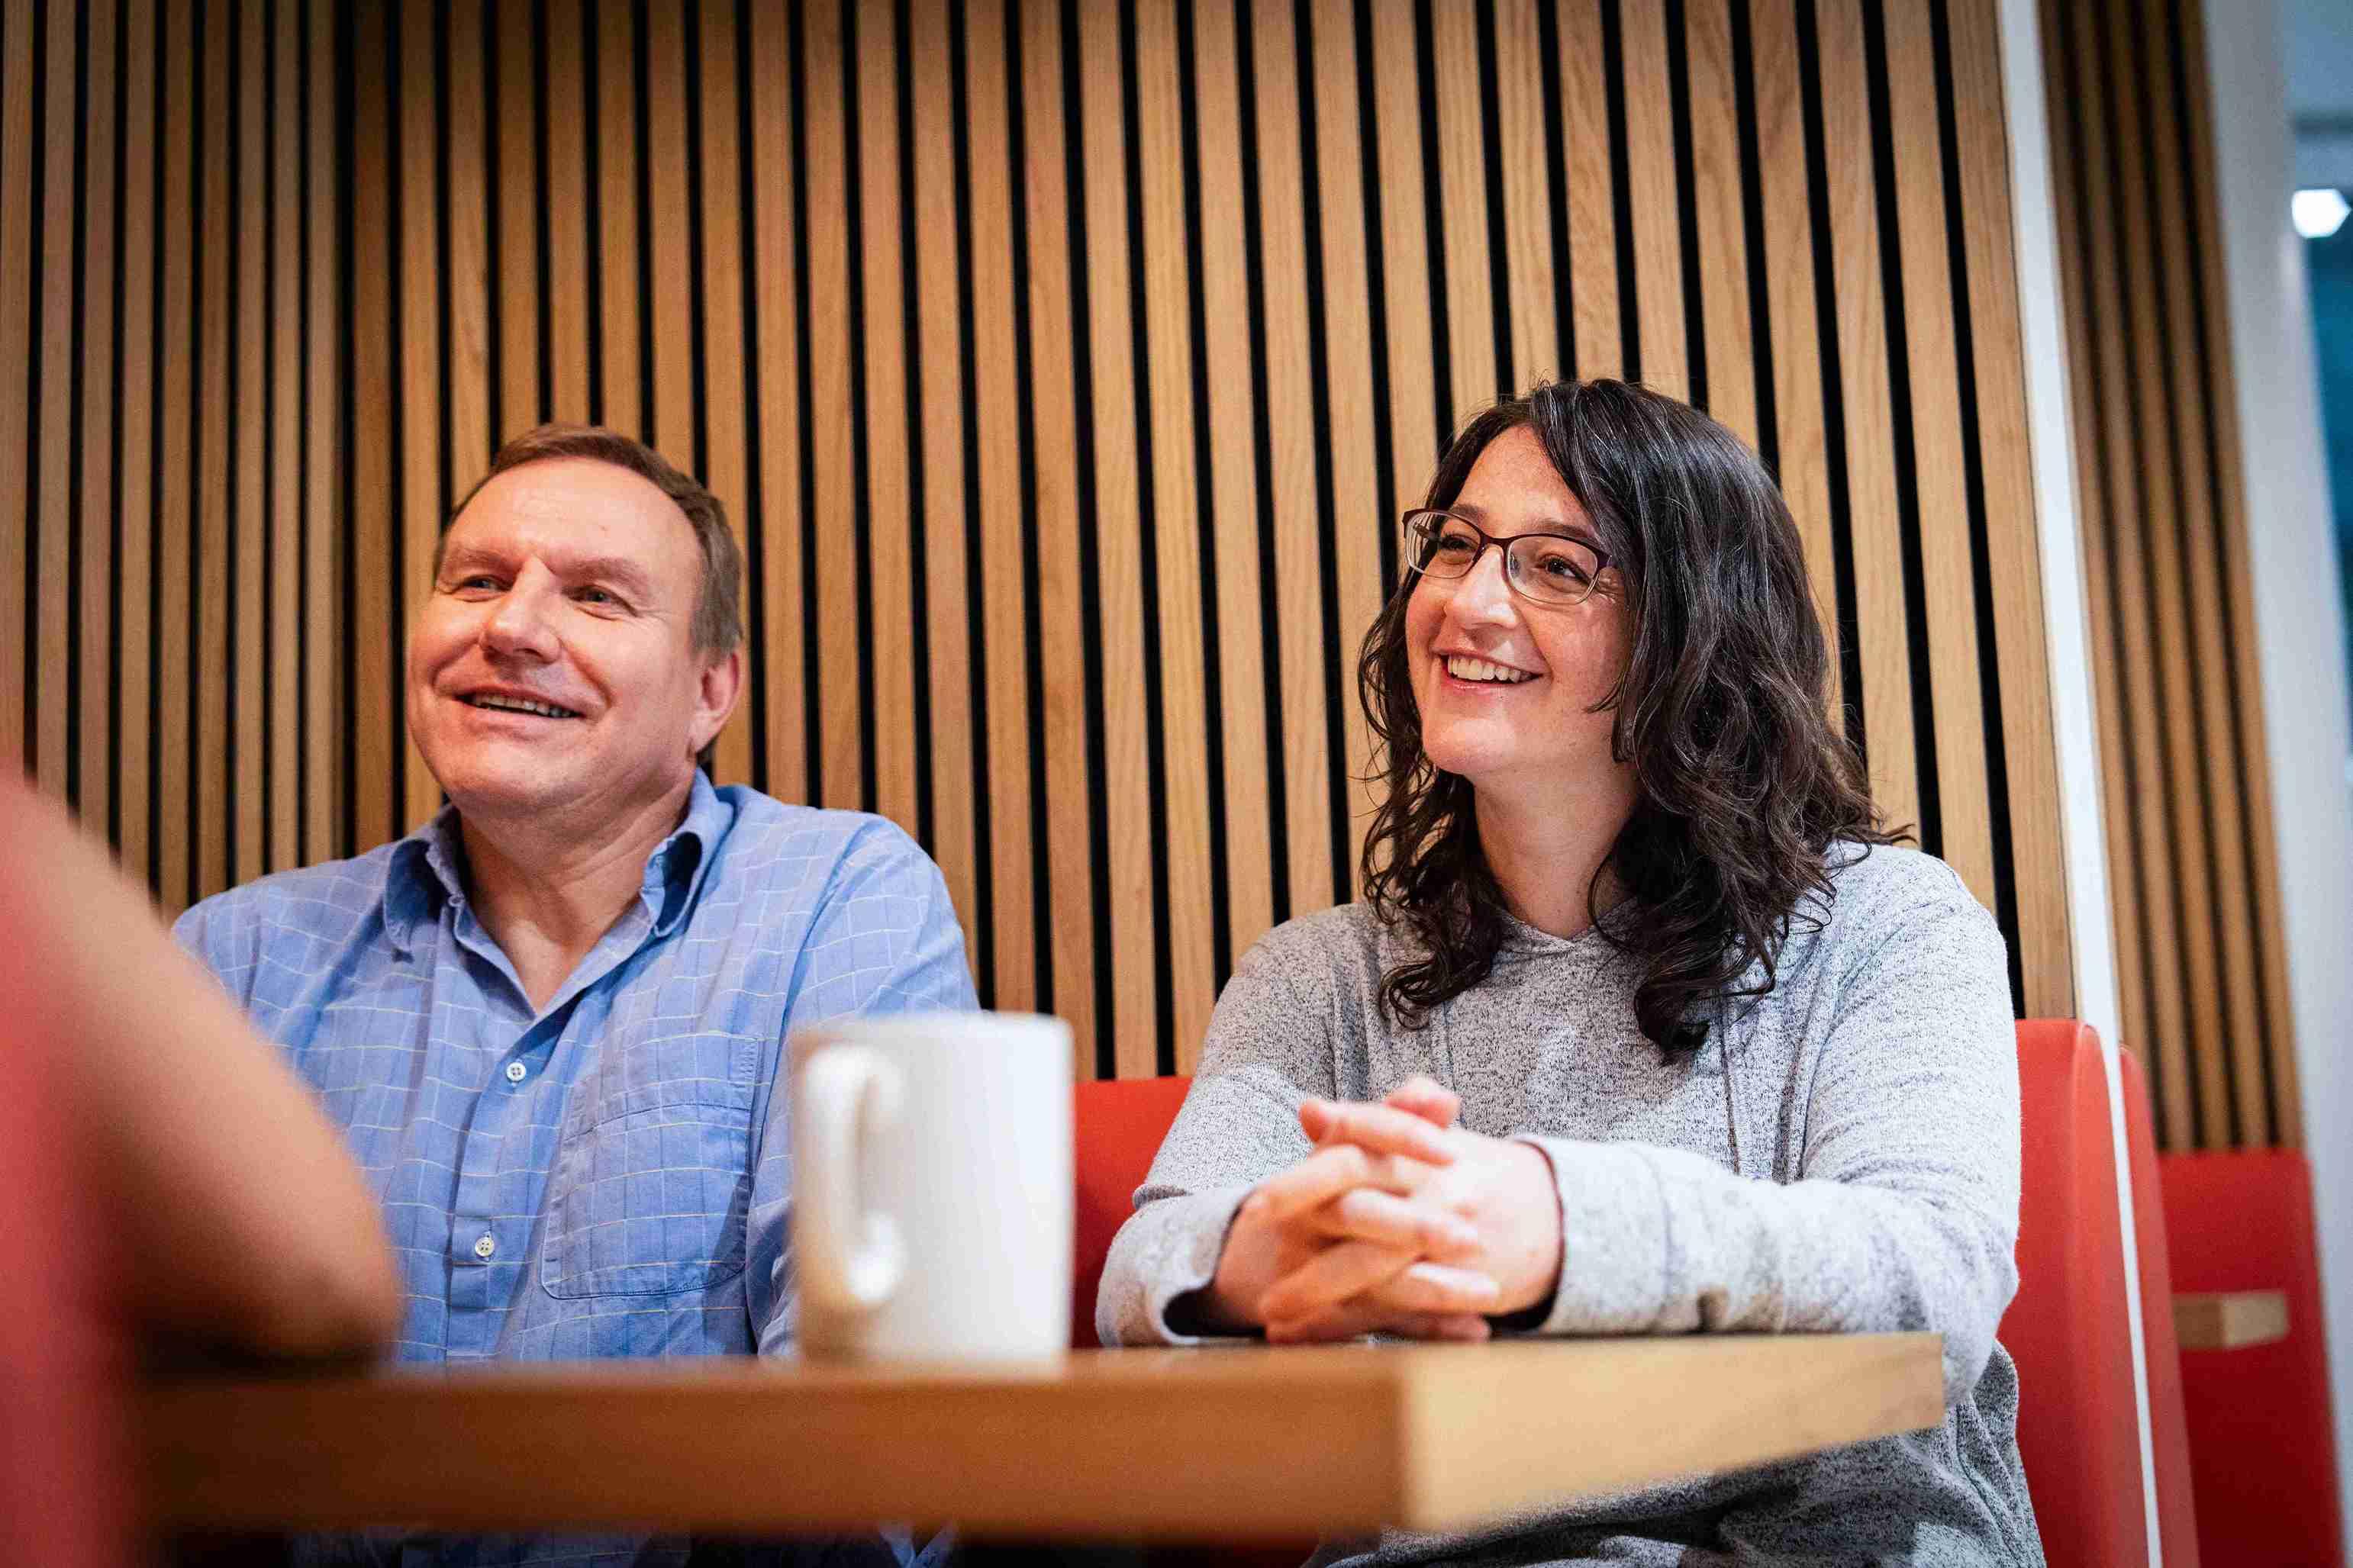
x=427, y=867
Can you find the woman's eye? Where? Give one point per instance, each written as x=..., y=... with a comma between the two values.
x=1452, y=543
x=1567, y=568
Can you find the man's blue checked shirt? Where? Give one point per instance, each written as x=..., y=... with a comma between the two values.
x=608, y=1176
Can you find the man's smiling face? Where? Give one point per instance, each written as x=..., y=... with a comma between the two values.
x=551, y=668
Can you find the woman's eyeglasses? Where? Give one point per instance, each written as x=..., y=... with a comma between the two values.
x=1542, y=568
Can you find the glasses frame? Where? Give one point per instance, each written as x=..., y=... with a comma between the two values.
x=1503, y=542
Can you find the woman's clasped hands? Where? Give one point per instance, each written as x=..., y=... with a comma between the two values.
x=1399, y=1222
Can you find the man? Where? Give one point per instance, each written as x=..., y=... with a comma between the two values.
x=550, y=1021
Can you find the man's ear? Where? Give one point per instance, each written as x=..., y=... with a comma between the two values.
x=716, y=691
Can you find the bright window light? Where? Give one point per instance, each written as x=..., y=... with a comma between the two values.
x=2318, y=213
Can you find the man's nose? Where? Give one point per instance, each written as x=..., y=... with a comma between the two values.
x=521, y=624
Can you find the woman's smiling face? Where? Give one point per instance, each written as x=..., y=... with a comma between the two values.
x=1507, y=689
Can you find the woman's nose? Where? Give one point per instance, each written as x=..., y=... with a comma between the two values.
x=1484, y=595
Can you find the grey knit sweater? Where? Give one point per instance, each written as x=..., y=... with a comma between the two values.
x=1839, y=1157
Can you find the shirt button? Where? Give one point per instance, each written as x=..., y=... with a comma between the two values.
x=484, y=1247
x=517, y=1072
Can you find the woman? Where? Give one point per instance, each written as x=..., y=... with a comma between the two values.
x=1723, y=1057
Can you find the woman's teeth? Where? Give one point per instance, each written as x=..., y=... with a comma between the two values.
x=1464, y=669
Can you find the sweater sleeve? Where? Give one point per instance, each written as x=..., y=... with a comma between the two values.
x=1269, y=1046
x=1905, y=1214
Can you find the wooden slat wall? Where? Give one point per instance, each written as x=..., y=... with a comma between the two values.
x=170, y=525
x=1061, y=363
x=2191, y=856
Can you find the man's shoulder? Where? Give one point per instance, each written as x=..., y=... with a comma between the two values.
x=780, y=840
x=320, y=898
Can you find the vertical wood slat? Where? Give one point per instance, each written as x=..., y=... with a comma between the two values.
x=1598, y=341
x=1230, y=520
x=569, y=307
x=95, y=793
x=52, y=658
x=373, y=537
x=882, y=342
x=1394, y=119
x=1468, y=299
x=135, y=480
x=1519, y=115
x=284, y=129
x=416, y=318
x=1650, y=178
x=1113, y=301
x=948, y=575
x=727, y=367
x=669, y=283
x=1072, y=880
x=248, y=784
x=996, y=568
x=471, y=438
x=620, y=400
x=1354, y=510
x=513, y=152
x=777, y=581
x=174, y=529
x=829, y=417
x=214, y=797
x=1718, y=196
x=17, y=232
x=1184, y=718
x=325, y=626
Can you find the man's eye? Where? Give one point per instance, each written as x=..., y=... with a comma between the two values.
x=465, y=584
x=601, y=598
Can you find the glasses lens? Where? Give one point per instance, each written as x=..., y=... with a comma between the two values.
x=1554, y=569
x=1441, y=545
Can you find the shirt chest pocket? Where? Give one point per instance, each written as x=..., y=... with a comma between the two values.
x=652, y=1178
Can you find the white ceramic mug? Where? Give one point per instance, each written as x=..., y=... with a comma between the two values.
x=932, y=1198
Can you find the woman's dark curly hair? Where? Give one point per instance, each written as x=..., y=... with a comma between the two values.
x=1744, y=785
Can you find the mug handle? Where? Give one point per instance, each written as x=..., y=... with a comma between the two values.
x=852, y=1257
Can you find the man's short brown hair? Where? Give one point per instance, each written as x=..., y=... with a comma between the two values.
x=719, y=607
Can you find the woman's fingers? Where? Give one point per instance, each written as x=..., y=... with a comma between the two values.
x=1325, y=1175
x=1351, y=1319
x=1425, y=1097
x=1436, y=1288
x=1341, y=1270
x=1367, y=1213
x=1375, y=1129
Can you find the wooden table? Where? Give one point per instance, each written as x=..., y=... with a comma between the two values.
x=1202, y=1443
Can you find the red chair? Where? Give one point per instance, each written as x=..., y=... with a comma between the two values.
x=2176, y=1515
x=1119, y=1124
x=2078, y=1421
x=2261, y=1453
x=61, y=1458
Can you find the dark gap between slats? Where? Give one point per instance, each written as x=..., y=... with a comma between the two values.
x=1433, y=229
x=1155, y=736
x=1204, y=508
x=756, y=520
x=1556, y=213
x=641, y=124
x=1849, y=624
x=1686, y=203
x=1996, y=744
x=1025, y=372
x=2187, y=550
x=1499, y=241
x=1074, y=173
x=1270, y=609
x=1752, y=215
x=983, y=919
x=861, y=460
x=1377, y=296
x=2212, y=382
x=1622, y=194
x=1876, y=88
x=1335, y=532
x=697, y=294
x=911, y=336
x=543, y=208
